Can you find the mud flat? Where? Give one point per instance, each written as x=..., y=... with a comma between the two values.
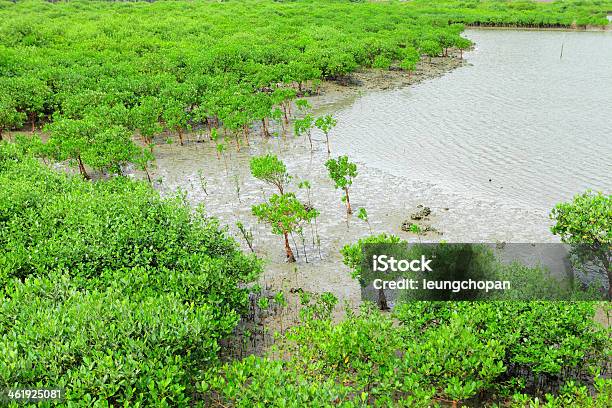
x=375, y=79
x=455, y=120
x=389, y=200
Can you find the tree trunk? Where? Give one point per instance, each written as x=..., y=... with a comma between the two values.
x=180, y=134
x=237, y=142
x=348, y=202
x=382, y=300
x=33, y=120
x=264, y=128
x=310, y=140
x=246, y=134
x=290, y=257
x=1, y=134
x=327, y=140
x=606, y=264
x=82, y=168
x=147, y=173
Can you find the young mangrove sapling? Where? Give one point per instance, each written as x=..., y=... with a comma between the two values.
x=285, y=214
x=326, y=124
x=271, y=170
x=342, y=172
x=362, y=214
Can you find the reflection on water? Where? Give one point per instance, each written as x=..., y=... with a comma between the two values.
x=520, y=124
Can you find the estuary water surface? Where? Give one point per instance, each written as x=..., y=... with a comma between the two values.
x=538, y=124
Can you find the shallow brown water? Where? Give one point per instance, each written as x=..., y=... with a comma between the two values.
x=534, y=122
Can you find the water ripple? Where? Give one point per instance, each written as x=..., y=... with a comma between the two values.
x=539, y=127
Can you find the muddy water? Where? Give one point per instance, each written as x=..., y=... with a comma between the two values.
x=534, y=124
x=537, y=124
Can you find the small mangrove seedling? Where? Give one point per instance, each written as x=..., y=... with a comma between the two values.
x=281, y=304
x=342, y=172
x=303, y=105
x=203, y=181
x=279, y=299
x=463, y=44
x=303, y=127
x=271, y=170
x=313, y=230
x=221, y=151
x=236, y=179
x=214, y=136
x=142, y=160
x=306, y=184
x=285, y=214
x=175, y=116
x=362, y=214
x=247, y=234
x=325, y=124
x=416, y=229
x=303, y=238
x=263, y=303
x=411, y=58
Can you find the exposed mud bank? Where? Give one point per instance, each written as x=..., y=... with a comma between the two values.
x=589, y=28
x=365, y=80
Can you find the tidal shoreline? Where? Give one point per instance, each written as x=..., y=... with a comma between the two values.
x=369, y=79
x=389, y=200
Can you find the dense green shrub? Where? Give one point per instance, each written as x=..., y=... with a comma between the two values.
x=537, y=337
x=430, y=352
x=105, y=345
x=109, y=290
x=426, y=353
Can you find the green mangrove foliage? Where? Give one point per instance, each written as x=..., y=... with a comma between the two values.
x=362, y=214
x=177, y=66
x=342, y=172
x=109, y=291
x=586, y=224
x=325, y=124
x=428, y=354
x=285, y=214
x=121, y=297
x=10, y=117
x=271, y=170
x=304, y=126
x=524, y=13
